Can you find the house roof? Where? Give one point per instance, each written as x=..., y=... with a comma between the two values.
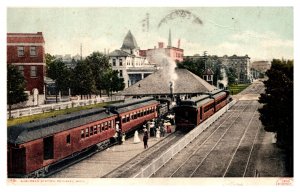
x=208, y=71
x=129, y=42
x=25, y=132
x=25, y=37
x=118, y=53
x=158, y=83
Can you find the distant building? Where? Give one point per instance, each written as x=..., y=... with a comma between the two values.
x=131, y=65
x=27, y=52
x=240, y=63
x=175, y=53
x=208, y=76
x=259, y=68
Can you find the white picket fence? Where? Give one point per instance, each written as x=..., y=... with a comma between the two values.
x=58, y=106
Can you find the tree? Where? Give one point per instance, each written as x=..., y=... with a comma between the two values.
x=82, y=81
x=111, y=82
x=99, y=63
x=195, y=66
x=277, y=112
x=15, y=87
x=58, y=71
x=232, y=75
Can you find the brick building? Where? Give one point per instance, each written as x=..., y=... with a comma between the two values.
x=27, y=52
x=175, y=53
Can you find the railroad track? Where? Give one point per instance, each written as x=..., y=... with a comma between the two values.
x=197, y=158
x=136, y=163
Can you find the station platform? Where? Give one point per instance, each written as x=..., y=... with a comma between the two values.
x=106, y=161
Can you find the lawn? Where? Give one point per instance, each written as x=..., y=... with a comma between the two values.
x=25, y=119
x=236, y=88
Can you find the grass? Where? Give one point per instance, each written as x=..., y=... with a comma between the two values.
x=26, y=119
x=236, y=88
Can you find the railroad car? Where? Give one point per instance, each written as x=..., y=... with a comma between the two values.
x=190, y=113
x=36, y=148
x=132, y=114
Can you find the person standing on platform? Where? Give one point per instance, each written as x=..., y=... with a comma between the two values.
x=145, y=138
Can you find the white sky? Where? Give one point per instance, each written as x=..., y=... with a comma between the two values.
x=262, y=33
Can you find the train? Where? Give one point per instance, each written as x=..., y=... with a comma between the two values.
x=191, y=112
x=37, y=148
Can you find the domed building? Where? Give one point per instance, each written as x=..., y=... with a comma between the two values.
x=129, y=63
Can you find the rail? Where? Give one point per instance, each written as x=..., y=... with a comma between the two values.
x=58, y=106
x=157, y=163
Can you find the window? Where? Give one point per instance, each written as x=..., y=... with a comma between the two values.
x=114, y=62
x=21, y=69
x=112, y=124
x=33, y=71
x=95, y=129
x=86, y=132
x=105, y=125
x=68, y=139
x=91, y=130
x=33, y=51
x=121, y=62
x=121, y=73
x=82, y=133
x=127, y=118
x=99, y=128
x=102, y=126
x=21, y=51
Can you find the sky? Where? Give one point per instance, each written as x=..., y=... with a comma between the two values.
x=263, y=33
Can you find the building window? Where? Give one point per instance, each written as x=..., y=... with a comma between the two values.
x=114, y=62
x=21, y=69
x=121, y=73
x=33, y=71
x=68, y=139
x=21, y=51
x=33, y=51
x=121, y=62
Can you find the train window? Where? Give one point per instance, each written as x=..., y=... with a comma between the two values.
x=127, y=118
x=91, y=130
x=112, y=124
x=109, y=125
x=68, y=139
x=105, y=125
x=82, y=133
x=99, y=128
x=102, y=126
x=95, y=129
x=123, y=120
x=86, y=132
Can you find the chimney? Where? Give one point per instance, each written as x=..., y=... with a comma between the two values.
x=178, y=45
x=160, y=44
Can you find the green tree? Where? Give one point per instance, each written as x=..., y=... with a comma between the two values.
x=231, y=74
x=277, y=112
x=111, y=82
x=82, y=81
x=15, y=87
x=58, y=71
x=49, y=58
x=99, y=63
x=196, y=66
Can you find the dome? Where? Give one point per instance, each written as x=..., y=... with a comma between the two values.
x=129, y=42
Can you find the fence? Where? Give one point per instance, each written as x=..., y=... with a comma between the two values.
x=57, y=106
x=157, y=163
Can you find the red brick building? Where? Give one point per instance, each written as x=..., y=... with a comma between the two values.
x=27, y=52
x=175, y=53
